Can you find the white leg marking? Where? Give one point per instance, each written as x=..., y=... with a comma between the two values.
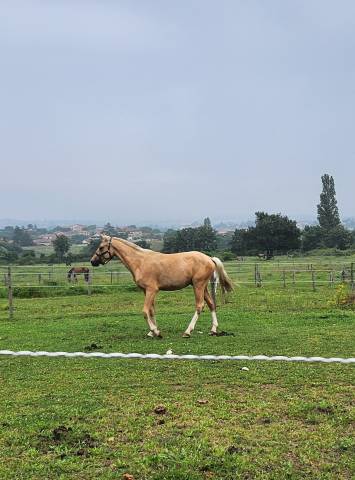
x=152, y=326
x=192, y=324
x=214, y=322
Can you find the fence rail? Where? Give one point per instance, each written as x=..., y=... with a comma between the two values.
x=68, y=287
x=259, y=275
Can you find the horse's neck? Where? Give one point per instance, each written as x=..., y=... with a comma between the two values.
x=129, y=255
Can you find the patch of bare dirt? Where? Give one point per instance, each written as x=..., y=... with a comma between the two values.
x=160, y=410
x=78, y=444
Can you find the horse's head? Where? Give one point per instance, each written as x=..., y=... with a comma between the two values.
x=103, y=253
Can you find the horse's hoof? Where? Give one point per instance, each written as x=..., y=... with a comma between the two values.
x=213, y=334
x=159, y=335
x=150, y=334
x=186, y=335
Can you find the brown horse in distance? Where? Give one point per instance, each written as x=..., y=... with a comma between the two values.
x=73, y=272
x=154, y=271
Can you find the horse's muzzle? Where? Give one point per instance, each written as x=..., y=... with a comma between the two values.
x=95, y=261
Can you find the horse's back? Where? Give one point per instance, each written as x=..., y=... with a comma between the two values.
x=174, y=271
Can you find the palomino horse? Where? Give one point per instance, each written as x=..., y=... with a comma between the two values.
x=154, y=271
x=73, y=272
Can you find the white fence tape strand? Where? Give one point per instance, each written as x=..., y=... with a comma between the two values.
x=156, y=356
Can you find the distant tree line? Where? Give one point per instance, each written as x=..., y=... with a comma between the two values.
x=271, y=234
x=278, y=233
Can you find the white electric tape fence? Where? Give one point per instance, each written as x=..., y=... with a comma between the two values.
x=155, y=356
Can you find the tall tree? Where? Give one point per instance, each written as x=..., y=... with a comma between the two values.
x=22, y=237
x=186, y=239
x=328, y=214
x=61, y=246
x=9, y=252
x=170, y=241
x=206, y=237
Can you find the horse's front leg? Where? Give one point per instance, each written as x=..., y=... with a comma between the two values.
x=148, y=312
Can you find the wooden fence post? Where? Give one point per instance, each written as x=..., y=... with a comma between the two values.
x=343, y=274
x=331, y=278
x=352, y=275
x=255, y=271
x=284, y=277
x=258, y=278
x=10, y=293
x=313, y=281
x=89, y=283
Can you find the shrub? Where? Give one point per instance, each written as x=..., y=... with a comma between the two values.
x=343, y=297
x=226, y=256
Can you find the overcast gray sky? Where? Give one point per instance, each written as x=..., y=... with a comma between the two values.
x=146, y=111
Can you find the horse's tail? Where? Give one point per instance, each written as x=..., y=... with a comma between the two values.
x=224, y=280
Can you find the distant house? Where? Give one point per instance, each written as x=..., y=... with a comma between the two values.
x=225, y=231
x=77, y=228
x=46, y=239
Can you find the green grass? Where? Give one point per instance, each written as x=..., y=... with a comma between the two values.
x=92, y=418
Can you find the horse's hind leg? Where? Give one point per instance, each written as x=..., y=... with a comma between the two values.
x=212, y=306
x=199, y=295
x=152, y=318
x=147, y=311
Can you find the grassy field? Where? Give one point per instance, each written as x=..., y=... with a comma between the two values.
x=90, y=418
x=48, y=250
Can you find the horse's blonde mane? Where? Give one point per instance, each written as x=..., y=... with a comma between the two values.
x=130, y=244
